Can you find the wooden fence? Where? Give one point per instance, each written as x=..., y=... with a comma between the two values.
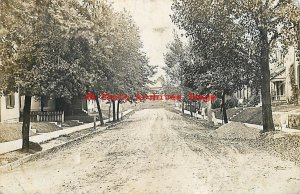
x=39, y=116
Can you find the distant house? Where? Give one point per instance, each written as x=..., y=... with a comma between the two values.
x=157, y=87
x=9, y=108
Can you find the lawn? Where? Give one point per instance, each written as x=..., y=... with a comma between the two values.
x=11, y=131
x=43, y=127
x=253, y=115
x=250, y=115
x=286, y=108
x=230, y=112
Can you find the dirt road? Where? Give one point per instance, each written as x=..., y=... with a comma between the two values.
x=152, y=152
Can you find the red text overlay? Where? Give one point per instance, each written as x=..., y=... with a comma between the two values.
x=152, y=97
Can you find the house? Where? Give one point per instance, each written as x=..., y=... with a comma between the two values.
x=278, y=84
x=157, y=87
x=39, y=104
x=284, y=74
x=9, y=107
x=12, y=105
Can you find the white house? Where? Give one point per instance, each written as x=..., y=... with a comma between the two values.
x=9, y=108
x=12, y=104
x=280, y=80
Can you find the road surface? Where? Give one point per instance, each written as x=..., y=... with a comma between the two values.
x=151, y=153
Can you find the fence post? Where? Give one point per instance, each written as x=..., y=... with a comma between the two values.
x=34, y=116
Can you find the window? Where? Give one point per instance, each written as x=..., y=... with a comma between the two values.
x=279, y=57
x=10, y=101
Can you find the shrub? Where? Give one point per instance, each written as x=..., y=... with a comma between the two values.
x=232, y=102
x=253, y=102
x=216, y=104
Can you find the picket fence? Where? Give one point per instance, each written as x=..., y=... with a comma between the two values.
x=47, y=116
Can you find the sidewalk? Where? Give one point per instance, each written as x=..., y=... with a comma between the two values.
x=17, y=144
x=284, y=129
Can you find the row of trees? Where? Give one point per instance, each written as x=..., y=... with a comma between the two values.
x=61, y=49
x=229, y=46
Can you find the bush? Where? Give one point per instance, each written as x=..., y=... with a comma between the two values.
x=253, y=102
x=232, y=102
x=216, y=104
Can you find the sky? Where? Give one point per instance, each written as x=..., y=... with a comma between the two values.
x=153, y=19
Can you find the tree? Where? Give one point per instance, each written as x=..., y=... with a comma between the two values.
x=35, y=54
x=176, y=60
x=227, y=65
x=293, y=14
x=128, y=62
x=117, y=65
x=100, y=14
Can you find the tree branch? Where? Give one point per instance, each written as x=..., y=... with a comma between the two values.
x=274, y=37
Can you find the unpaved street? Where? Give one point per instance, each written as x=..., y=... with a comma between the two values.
x=151, y=153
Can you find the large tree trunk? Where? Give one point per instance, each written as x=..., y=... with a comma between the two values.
x=224, y=108
x=99, y=109
x=267, y=117
x=26, y=123
x=118, y=110
x=114, y=110
x=42, y=103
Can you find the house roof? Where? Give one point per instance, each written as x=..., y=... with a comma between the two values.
x=158, y=83
x=277, y=72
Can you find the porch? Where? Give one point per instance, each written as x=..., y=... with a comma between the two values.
x=278, y=92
